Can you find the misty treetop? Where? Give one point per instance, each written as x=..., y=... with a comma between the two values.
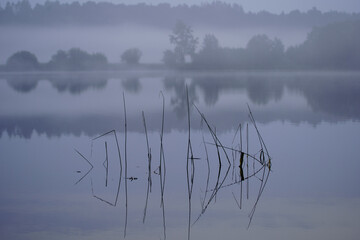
x=22, y=60
x=184, y=42
x=131, y=56
x=77, y=59
x=216, y=13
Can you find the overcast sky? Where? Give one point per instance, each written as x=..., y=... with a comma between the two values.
x=251, y=5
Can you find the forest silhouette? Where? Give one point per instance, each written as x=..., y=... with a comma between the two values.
x=216, y=13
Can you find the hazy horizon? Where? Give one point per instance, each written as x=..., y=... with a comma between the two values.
x=179, y=122
x=275, y=6
x=112, y=29
x=112, y=41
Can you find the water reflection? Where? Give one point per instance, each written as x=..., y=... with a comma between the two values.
x=295, y=97
x=131, y=85
x=178, y=101
x=247, y=163
x=22, y=83
x=74, y=83
x=338, y=96
x=313, y=188
x=77, y=84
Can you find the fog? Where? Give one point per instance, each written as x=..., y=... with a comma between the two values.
x=113, y=40
x=111, y=28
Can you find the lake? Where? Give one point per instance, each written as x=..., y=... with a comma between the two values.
x=73, y=165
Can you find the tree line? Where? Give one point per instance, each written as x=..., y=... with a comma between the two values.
x=332, y=47
x=72, y=60
x=216, y=13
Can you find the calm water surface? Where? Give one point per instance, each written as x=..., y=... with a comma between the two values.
x=308, y=120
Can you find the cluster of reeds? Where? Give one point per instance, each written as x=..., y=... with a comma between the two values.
x=239, y=163
x=262, y=157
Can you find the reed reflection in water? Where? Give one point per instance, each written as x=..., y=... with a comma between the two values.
x=260, y=161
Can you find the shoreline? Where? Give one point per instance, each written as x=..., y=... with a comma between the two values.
x=281, y=75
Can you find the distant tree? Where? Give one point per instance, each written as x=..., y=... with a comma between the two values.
x=19, y=11
x=335, y=46
x=211, y=43
x=99, y=60
x=6, y=14
x=22, y=60
x=60, y=60
x=131, y=56
x=23, y=8
x=169, y=58
x=209, y=55
x=263, y=52
x=77, y=59
x=185, y=42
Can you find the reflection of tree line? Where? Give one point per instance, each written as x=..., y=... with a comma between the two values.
x=71, y=83
x=258, y=88
x=53, y=126
x=336, y=95
x=332, y=97
x=319, y=89
x=261, y=89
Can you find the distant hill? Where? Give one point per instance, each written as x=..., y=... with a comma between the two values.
x=162, y=15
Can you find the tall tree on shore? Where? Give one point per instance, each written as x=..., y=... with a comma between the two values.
x=184, y=41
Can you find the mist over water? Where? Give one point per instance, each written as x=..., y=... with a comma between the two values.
x=110, y=40
x=114, y=40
